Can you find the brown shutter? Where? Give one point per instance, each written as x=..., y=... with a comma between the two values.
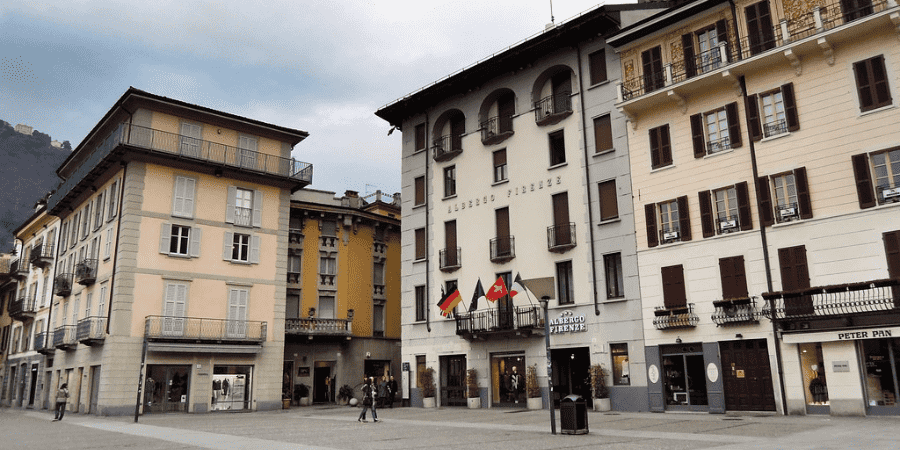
x=734, y=125
x=650, y=214
x=654, y=148
x=706, y=218
x=722, y=30
x=506, y=109
x=673, y=287
x=790, y=107
x=697, y=135
x=450, y=243
x=420, y=191
x=665, y=147
x=892, y=252
x=864, y=85
x=795, y=275
x=734, y=279
x=864, y=190
x=602, y=133
x=690, y=62
x=753, y=117
x=803, y=193
x=457, y=129
x=684, y=218
x=499, y=158
x=880, y=81
x=759, y=27
x=561, y=218
x=609, y=208
x=598, y=66
x=764, y=201
x=420, y=136
x=502, y=219
x=743, y=198
x=420, y=243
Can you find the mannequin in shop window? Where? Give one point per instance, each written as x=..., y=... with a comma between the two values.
x=516, y=384
x=818, y=389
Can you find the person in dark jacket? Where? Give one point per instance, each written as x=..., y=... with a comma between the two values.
x=62, y=395
x=383, y=392
x=367, y=401
x=392, y=387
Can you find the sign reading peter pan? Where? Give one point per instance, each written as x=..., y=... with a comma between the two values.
x=567, y=322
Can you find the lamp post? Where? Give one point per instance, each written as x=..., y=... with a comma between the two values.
x=544, y=301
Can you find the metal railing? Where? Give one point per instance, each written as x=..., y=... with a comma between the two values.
x=727, y=224
x=736, y=311
x=18, y=268
x=561, y=236
x=22, y=307
x=673, y=318
x=887, y=193
x=519, y=318
x=713, y=147
x=86, y=272
x=787, y=212
x=552, y=106
x=450, y=258
x=775, y=127
x=43, y=341
x=293, y=278
x=336, y=327
x=836, y=300
x=670, y=234
x=503, y=248
x=91, y=329
x=64, y=337
x=204, y=329
x=42, y=255
x=495, y=127
x=63, y=285
x=243, y=217
x=446, y=147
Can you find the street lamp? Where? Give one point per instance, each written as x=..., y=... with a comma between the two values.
x=544, y=301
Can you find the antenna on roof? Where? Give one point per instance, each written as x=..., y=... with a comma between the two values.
x=552, y=20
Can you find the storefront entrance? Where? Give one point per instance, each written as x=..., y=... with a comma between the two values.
x=571, y=370
x=880, y=359
x=166, y=389
x=684, y=378
x=747, y=375
x=453, y=380
x=812, y=367
x=508, y=380
x=322, y=383
x=231, y=388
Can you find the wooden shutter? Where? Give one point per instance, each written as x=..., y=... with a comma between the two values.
x=722, y=31
x=764, y=202
x=450, y=242
x=178, y=197
x=195, y=238
x=254, y=249
x=665, y=147
x=655, y=158
x=743, y=198
x=506, y=107
x=803, y=200
x=602, y=133
x=790, y=107
x=257, y=207
x=697, y=135
x=734, y=279
x=652, y=65
x=165, y=237
x=597, y=61
x=561, y=218
x=674, y=295
x=892, y=252
x=499, y=158
x=753, y=117
x=684, y=218
x=706, y=216
x=420, y=136
x=690, y=62
x=229, y=205
x=457, y=129
x=650, y=214
x=759, y=27
x=880, y=81
x=113, y=199
x=228, y=246
x=864, y=190
x=420, y=191
x=420, y=244
x=502, y=223
x=794, y=276
x=609, y=208
x=872, y=83
x=734, y=124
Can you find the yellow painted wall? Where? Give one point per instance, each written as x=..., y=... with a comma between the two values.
x=212, y=133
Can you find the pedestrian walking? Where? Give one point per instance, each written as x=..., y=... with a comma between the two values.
x=367, y=401
x=62, y=395
x=383, y=392
x=374, y=398
x=392, y=386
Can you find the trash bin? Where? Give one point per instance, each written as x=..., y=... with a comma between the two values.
x=573, y=415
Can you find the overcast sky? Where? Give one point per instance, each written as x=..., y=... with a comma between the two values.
x=321, y=67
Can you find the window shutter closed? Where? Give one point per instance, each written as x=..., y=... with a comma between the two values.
x=872, y=84
x=420, y=191
x=734, y=279
x=864, y=191
x=743, y=198
x=697, y=135
x=650, y=214
x=892, y=252
x=665, y=148
x=803, y=193
x=673, y=287
x=229, y=206
x=165, y=236
x=254, y=249
x=790, y=107
x=654, y=148
x=227, y=246
x=190, y=189
x=690, y=63
x=722, y=31
x=753, y=117
x=684, y=218
x=598, y=66
x=764, y=200
x=257, y=208
x=734, y=125
x=178, y=197
x=706, y=217
x=196, y=235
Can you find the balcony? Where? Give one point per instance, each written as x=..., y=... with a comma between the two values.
x=127, y=137
x=446, y=147
x=86, y=272
x=496, y=130
x=775, y=127
x=718, y=146
x=22, y=308
x=378, y=290
x=675, y=318
x=64, y=337
x=203, y=330
x=561, y=238
x=63, y=285
x=91, y=330
x=317, y=327
x=869, y=303
x=738, y=311
x=42, y=255
x=450, y=259
x=243, y=217
x=293, y=280
x=295, y=238
x=43, y=343
x=18, y=269
x=552, y=109
x=503, y=249
x=522, y=321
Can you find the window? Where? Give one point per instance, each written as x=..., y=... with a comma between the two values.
x=674, y=295
x=791, y=197
x=660, y=147
x=603, y=140
x=98, y=214
x=177, y=240
x=609, y=207
x=63, y=236
x=378, y=320
x=101, y=302
x=772, y=113
x=450, y=256
x=241, y=247
x=95, y=248
x=113, y=200
x=734, y=279
x=86, y=221
x=565, y=291
x=620, y=370
x=174, y=307
x=190, y=139
x=716, y=131
x=795, y=275
x=183, y=199
x=420, y=303
x=651, y=62
x=107, y=247
x=243, y=207
x=178, y=245
x=378, y=273
x=562, y=229
x=668, y=222
x=237, y=313
x=420, y=191
x=420, y=137
x=73, y=237
x=294, y=264
x=597, y=61
x=872, y=83
x=327, y=265
x=449, y=181
x=88, y=304
x=725, y=210
x=557, y=148
x=247, y=147
x=615, y=282
x=503, y=247
x=877, y=177
x=500, y=171
x=420, y=244
x=759, y=27
x=44, y=296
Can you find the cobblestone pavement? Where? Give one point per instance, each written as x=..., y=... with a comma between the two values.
x=336, y=428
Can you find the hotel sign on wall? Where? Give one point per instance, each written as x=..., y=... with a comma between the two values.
x=514, y=191
x=567, y=322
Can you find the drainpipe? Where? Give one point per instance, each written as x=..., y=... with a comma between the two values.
x=427, y=260
x=587, y=178
x=112, y=278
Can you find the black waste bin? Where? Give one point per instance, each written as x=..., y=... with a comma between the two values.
x=573, y=415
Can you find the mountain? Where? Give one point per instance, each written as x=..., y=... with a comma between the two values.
x=27, y=173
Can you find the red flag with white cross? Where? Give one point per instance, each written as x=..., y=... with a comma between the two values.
x=497, y=290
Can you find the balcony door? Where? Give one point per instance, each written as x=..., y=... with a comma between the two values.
x=450, y=242
x=503, y=244
x=795, y=275
x=457, y=129
x=247, y=148
x=190, y=139
x=562, y=234
x=759, y=27
x=506, y=108
x=505, y=308
x=237, y=313
x=176, y=297
x=562, y=88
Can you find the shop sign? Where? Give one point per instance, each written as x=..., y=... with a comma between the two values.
x=567, y=322
x=843, y=335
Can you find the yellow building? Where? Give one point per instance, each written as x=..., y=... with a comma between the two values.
x=342, y=317
x=171, y=259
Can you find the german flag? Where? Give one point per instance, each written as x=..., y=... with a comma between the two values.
x=449, y=302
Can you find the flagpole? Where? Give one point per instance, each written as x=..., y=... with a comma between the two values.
x=544, y=301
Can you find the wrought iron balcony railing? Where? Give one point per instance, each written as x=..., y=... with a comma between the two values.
x=43, y=343
x=315, y=326
x=18, y=268
x=447, y=147
x=832, y=301
x=735, y=311
x=887, y=194
x=727, y=224
x=64, y=337
x=713, y=147
x=503, y=248
x=674, y=318
x=62, y=284
x=22, y=307
x=775, y=127
x=450, y=259
x=522, y=318
x=787, y=212
x=670, y=233
x=91, y=330
x=198, y=329
x=86, y=272
x=561, y=238
x=552, y=108
x=42, y=255
x=496, y=129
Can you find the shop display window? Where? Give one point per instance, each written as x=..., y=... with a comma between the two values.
x=508, y=379
x=231, y=388
x=685, y=380
x=881, y=356
x=812, y=366
x=620, y=371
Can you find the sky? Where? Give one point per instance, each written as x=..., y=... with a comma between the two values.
x=321, y=67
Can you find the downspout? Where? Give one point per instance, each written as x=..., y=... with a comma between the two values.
x=587, y=178
x=427, y=247
x=765, y=247
x=53, y=284
x=112, y=278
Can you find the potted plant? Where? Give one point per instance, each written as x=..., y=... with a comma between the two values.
x=303, y=394
x=532, y=388
x=474, y=391
x=345, y=394
x=426, y=384
x=599, y=390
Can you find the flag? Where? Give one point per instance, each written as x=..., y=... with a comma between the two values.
x=479, y=293
x=517, y=286
x=449, y=302
x=497, y=290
